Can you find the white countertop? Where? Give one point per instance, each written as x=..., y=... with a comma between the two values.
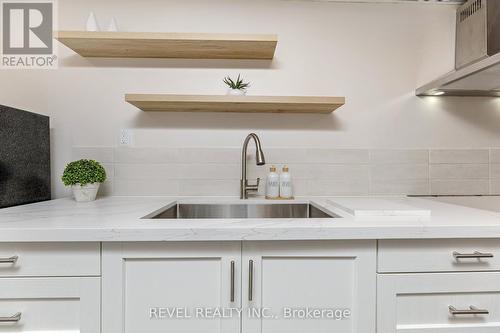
x=119, y=219
x=480, y=202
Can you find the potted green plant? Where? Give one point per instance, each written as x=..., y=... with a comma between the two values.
x=84, y=177
x=236, y=87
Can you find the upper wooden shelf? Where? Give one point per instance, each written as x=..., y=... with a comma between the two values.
x=251, y=104
x=169, y=45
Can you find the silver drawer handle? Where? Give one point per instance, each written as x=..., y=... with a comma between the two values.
x=14, y=319
x=11, y=260
x=232, y=282
x=250, y=280
x=471, y=311
x=475, y=255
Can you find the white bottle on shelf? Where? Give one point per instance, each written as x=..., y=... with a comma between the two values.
x=286, y=184
x=272, y=184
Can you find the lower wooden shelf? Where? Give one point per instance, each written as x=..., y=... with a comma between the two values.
x=245, y=104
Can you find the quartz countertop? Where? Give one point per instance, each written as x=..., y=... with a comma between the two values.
x=121, y=219
x=489, y=202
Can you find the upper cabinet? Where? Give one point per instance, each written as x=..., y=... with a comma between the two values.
x=169, y=45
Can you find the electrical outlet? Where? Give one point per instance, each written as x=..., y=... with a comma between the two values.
x=126, y=137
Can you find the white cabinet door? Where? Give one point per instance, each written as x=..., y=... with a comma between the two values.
x=420, y=303
x=159, y=287
x=286, y=279
x=41, y=305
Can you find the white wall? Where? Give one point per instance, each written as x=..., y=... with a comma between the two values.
x=374, y=54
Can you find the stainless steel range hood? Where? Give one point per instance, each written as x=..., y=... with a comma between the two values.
x=477, y=60
x=479, y=79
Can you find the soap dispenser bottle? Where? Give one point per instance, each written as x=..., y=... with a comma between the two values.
x=272, y=184
x=286, y=184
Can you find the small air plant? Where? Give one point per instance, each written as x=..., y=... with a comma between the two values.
x=237, y=87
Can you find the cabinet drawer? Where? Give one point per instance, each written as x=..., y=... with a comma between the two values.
x=439, y=255
x=420, y=303
x=50, y=305
x=49, y=259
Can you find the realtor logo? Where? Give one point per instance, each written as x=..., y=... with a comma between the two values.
x=27, y=28
x=27, y=34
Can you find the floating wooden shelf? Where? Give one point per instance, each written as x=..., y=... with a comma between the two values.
x=264, y=104
x=169, y=45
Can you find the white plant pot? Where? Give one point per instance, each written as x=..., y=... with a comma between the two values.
x=85, y=193
x=236, y=92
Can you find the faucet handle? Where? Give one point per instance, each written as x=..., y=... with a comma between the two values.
x=253, y=187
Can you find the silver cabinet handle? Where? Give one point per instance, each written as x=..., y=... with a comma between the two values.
x=471, y=311
x=14, y=319
x=11, y=260
x=474, y=255
x=232, y=281
x=250, y=280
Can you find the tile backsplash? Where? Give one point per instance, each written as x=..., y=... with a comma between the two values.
x=316, y=172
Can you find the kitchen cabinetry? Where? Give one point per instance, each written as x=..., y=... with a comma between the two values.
x=323, y=275
x=419, y=286
x=50, y=259
x=49, y=287
x=420, y=303
x=438, y=255
x=453, y=286
x=157, y=287
x=259, y=278
x=50, y=305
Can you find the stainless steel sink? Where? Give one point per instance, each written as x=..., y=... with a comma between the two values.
x=241, y=211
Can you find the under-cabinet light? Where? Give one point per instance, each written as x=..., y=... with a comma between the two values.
x=438, y=93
